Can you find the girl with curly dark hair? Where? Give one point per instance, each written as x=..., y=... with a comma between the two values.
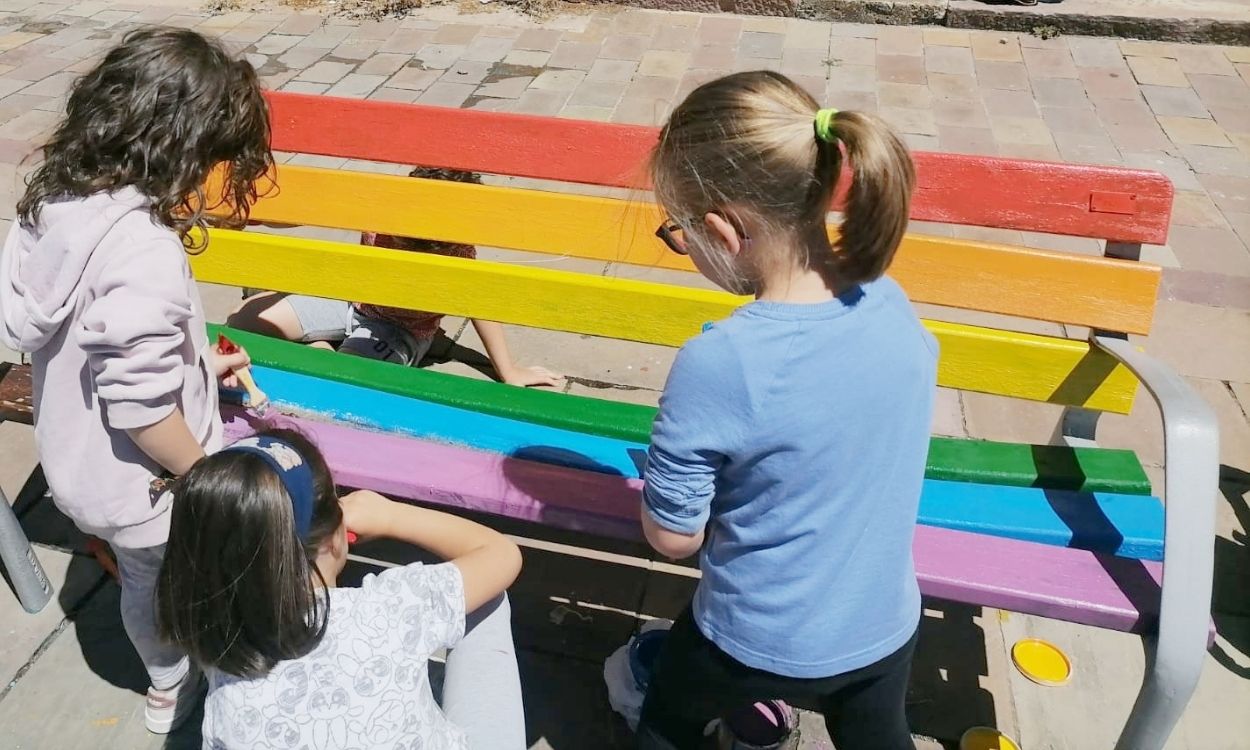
x=95, y=286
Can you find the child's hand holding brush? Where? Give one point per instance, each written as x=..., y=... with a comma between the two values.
x=233, y=367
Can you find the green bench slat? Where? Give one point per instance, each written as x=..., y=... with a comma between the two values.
x=983, y=462
x=590, y=415
x=1054, y=467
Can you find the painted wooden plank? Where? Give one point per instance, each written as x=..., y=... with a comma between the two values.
x=1127, y=525
x=983, y=191
x=1055, y=582
x=1048, y=466
x=1026, y=366
x=982, y=461
x=589, y=501
x=16, y=393
x=1102, y=293
x=1041, y=197
x=594, y=416
x=1124, y=525
x=509, y=144
x=386, y=412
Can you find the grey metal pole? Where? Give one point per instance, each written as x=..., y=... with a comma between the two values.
x=1191, y=451
x=29, y=581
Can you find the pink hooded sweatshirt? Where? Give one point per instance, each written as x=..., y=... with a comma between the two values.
x=102, y=299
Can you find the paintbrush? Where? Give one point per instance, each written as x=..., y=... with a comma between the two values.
x=257, y=400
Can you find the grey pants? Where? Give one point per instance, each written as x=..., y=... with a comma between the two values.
x=138, y=569
x=481, y=686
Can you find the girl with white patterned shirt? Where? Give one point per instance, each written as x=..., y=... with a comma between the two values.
x=257, y=541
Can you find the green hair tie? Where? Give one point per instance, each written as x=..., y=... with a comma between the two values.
x=824, y=125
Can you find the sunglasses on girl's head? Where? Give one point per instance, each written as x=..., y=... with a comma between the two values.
x=674, y=236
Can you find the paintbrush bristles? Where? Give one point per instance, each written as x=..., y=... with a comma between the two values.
x=257, y=400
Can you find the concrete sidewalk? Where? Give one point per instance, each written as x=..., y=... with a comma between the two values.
x=1181, y=109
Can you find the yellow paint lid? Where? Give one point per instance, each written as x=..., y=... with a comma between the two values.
x=1042, y=662
x=986, y=738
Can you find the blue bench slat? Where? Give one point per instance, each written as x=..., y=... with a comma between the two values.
x=1125, y=525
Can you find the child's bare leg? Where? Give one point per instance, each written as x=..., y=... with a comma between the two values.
x=294, y=317
x=267, y=313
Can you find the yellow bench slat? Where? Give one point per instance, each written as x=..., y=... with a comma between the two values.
x=1011, y=364
x=1059, y=287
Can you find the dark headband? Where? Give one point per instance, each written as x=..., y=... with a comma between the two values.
x=292, y=469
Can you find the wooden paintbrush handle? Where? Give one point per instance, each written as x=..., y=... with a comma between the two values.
x=254, y=393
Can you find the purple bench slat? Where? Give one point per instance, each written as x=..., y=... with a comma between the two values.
x=1055, y=582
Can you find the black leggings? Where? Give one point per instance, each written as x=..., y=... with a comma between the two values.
x=695, y=682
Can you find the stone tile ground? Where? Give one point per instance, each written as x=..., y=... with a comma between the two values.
x=1180, y=109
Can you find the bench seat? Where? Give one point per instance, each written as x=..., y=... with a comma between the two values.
x=1057, y=582
x=1126, y=525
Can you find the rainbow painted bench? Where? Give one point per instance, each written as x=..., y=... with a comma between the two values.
x=1069, y=531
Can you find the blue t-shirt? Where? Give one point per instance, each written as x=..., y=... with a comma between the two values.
x=798, y=435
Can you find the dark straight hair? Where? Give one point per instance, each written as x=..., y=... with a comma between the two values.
x=159, y=113
x=238, y=589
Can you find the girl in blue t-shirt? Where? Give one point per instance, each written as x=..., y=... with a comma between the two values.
x=791, y=440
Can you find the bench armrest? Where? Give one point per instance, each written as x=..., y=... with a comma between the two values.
x=1191, y=446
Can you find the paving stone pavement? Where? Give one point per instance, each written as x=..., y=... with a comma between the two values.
x=1181, y=109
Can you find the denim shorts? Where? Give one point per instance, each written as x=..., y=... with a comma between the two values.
x=338, y=322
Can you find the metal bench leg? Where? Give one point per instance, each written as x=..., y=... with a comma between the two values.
x=26, y=574
x=1077, y=428
x=1191, y=484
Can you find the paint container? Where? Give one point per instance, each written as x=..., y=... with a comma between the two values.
x=1042, y=662
x=986, y=738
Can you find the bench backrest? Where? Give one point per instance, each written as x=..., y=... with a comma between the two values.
x=1121, y=206
x=1110, y=203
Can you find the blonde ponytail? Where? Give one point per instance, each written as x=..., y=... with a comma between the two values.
x=879, y=200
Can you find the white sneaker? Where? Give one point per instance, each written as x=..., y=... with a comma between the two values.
x=166, y=710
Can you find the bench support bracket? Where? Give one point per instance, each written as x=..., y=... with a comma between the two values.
x=1191, y=484
x=1078, y=426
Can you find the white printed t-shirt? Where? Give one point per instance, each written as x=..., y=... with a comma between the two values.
x=365, y=687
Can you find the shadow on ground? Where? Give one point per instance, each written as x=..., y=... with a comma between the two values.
x=445, y=350
x=1230, y=604
x=569, y=614
x=96, y=616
